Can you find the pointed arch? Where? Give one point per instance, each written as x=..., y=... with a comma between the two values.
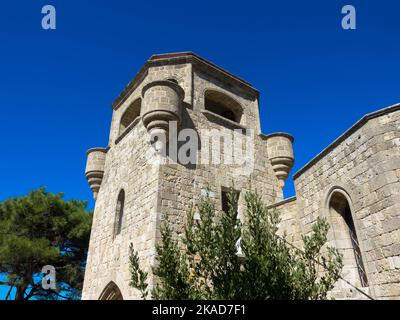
x=345, y=234
x=111, y=292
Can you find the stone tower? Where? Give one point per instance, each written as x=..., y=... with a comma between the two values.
x=184, y=126
x=170, y=94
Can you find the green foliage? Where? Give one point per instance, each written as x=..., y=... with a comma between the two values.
x=43, y=229
x=172, y=269
x=138, y=277
x=206, y=264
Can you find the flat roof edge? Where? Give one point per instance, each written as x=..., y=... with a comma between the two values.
x=345, y=135
x=284, y=201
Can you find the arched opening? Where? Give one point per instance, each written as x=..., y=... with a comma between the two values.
x=119, y=213
x=223, y=105
x=130, y=114
x=111, y=292
x=346, y=239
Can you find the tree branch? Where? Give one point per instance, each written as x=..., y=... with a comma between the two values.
x=9, y=291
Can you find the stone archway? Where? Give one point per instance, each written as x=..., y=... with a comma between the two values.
x=111, y=292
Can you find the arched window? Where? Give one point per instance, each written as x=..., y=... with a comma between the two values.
x=346, y=235
x=223, y=105
x=111, y=292
x=130, y=114
x=119, y=214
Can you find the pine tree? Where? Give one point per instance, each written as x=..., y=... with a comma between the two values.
x=42, y=229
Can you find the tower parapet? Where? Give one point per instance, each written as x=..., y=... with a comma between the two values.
x=162, y=101
x=96, y=158
x=280, y=153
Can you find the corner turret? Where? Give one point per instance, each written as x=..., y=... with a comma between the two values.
x=162, y=102
x=280, y=153
x=96, y=158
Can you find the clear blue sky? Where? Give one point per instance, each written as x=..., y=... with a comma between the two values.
x=56, y=87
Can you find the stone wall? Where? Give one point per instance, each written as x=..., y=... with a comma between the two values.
x=364, y=165
x=289, y=225
x=182, y=185
x=126, y=168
